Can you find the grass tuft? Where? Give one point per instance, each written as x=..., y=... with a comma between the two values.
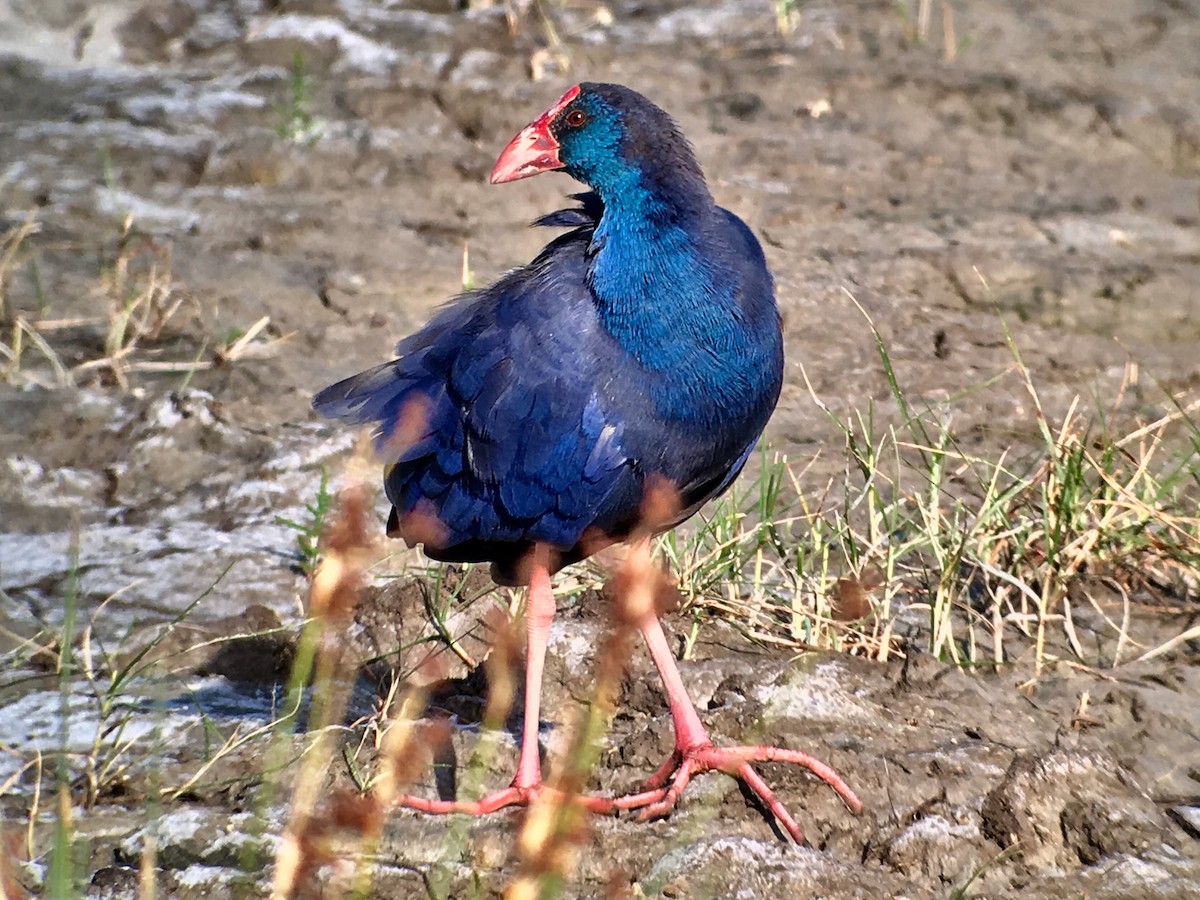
x=143, y=301
x=787, y=16
x=916, y=24
x=982, y=562
x=295, y=120
x=308, y=533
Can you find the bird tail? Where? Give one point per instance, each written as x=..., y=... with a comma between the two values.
x=363, y=398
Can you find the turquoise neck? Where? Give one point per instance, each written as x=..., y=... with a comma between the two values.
x=665, y=304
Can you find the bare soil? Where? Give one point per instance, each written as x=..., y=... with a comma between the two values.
x=1046, y=180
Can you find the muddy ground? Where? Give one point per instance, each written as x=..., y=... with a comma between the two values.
x=1046, y=179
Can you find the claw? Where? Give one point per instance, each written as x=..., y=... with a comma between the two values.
x=683, y=765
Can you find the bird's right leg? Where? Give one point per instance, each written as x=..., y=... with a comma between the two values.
x=695, y=752
x=539, y=612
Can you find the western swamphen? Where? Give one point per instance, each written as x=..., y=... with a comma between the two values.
x=524, y=425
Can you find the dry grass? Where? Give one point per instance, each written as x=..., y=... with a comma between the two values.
x=145, y=313
x=917, y=25
x=337, y=830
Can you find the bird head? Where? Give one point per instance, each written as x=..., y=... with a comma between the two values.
x=605, y=135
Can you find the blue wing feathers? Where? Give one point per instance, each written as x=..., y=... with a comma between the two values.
x=591, y=208
x=504, y=435
x=537, y=426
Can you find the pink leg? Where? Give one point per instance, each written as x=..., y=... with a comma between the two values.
x=539, y=612
x=695, y=753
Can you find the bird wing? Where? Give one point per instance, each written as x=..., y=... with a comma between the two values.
x=493, y=419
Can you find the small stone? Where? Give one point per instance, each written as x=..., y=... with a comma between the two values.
x=1068, y=809
x=1188, y=818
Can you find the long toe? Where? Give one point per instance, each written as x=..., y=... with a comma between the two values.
x=730, y=760
x=736, y=761
x=509, y=797
x=764, y=793
x=516, y=797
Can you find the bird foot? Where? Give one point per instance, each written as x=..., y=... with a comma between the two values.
x=664, y=787
x=510, y=796
x=514, y=796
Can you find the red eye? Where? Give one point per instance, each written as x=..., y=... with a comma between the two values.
x=576, y=118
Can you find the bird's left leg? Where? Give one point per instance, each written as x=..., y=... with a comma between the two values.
x=695, y=753
x=539, y=612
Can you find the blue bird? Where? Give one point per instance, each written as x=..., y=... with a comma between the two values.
x=525, y=425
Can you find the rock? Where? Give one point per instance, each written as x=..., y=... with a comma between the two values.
x=251, y=647
x=323, y=43
x=1068, y=809
x=742, y=867
x=113, y=882
x=1161, y=872
x=1188, y=818
x=52, y=13
x=199, y=834
x=940, y=849
x=178, y=441
x=147, y=35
